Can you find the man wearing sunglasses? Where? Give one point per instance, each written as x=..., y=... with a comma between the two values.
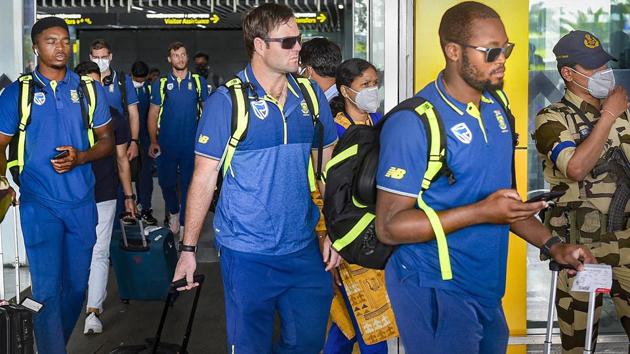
x=265, y=219
x=574, y=136
x=475, y=204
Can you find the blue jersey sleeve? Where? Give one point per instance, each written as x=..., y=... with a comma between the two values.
x=402, y=158
x=102, y=115
x=9, y=116
x=156, y=97
x=215, y=125
x=325, y=116
x=132, y=96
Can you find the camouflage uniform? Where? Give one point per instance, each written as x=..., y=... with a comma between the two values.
x=581, y=214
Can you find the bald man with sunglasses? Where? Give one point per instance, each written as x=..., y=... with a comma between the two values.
x=451, y=302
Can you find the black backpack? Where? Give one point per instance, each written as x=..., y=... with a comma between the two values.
x=350, y=197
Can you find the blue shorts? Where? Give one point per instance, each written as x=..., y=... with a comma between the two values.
x=432, y=320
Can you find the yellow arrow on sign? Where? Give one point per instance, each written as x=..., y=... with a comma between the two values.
x=322, y=17
x=214, y=18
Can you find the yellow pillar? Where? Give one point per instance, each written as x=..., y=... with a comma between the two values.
x=428, y=61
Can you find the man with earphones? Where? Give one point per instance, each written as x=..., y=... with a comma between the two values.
x=574, y=136
x=120, y=91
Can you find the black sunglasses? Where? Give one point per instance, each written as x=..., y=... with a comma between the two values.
x=286, y=42
x=492, y=54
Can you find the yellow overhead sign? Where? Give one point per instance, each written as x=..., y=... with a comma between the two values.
x=310, y=18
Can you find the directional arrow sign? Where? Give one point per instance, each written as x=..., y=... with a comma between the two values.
x=310, y=18
x=214, y=18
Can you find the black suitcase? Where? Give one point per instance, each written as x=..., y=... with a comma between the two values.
x=16, y=321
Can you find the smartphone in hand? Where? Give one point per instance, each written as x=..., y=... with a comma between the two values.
x=546, y=196
x=61, y=155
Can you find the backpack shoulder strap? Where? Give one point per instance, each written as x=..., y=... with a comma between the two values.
x=240, y=120
x=197, y=80
x=163, y=81
x=310, y=97
x=501, y=97
x=87, y=90
x=25, y=101
x=436, y=165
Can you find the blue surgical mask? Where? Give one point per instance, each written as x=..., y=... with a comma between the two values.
x=600, y=83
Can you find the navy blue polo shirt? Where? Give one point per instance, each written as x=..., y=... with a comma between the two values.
x=265, y=205
x=179, y=116
x=106, y=169
x=144, y=97
x=479, y=153
x=56, y=120
x=114, y=96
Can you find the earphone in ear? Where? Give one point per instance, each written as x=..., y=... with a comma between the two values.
x=36, y=52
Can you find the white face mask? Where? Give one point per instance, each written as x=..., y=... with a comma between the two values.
x=103, y=64
x=137, y=84
x=367, y=99
x=599, y=84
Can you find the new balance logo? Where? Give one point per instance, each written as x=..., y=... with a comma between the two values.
x=395, y=173
x=203, y=139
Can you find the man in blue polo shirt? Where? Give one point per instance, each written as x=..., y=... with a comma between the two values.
x=173, y=114
x=124, y=102
x=144, y=184
x=463, y=314
x=265, y=219
x=57, y=195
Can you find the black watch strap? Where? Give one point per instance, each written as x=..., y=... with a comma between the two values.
x=135, y=141
x=546, y=248
x=132, y=197
x=187, y=248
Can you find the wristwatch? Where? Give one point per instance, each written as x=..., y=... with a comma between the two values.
x=132, y=197
x=546, y=248
x=135, y=141
x=187, y=248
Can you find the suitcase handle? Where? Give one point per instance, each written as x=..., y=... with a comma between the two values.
x=124, y=233
x=172, y=295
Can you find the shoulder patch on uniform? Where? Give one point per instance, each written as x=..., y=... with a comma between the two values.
x=261, y=110
x=462, y=133
x=39, y=98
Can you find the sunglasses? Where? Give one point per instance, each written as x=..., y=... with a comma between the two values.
x=492, y=54
x=286, y=42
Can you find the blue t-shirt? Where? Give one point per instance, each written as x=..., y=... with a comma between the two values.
x=114, y=96
x=56, y=120
x=479, y=153
x=178, y=124
x=265, y=205
x=144, y=97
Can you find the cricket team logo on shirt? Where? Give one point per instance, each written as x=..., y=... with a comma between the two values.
x=304, y=107
x=39, y=98
x=190, y=86
x=500, y=120
x=169, y=86
x=261, y=110
x=462, y=133
x=74, y=96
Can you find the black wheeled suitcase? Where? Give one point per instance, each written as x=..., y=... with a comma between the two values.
x=16, y=321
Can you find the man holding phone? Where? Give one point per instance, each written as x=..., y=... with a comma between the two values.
x=574, y=136
x=57, y=204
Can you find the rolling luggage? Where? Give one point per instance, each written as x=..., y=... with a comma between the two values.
x=154, y=345
x=16, y=321
x=555, y=268
x=144, y=261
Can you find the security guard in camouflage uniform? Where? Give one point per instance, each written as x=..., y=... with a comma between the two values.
x=572, y=137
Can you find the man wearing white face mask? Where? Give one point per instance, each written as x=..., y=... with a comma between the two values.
x=572, y=137
x=120, y=91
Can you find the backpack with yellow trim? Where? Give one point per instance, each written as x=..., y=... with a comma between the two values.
x=350, y=198
x=239, y=94
x=87, y=99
